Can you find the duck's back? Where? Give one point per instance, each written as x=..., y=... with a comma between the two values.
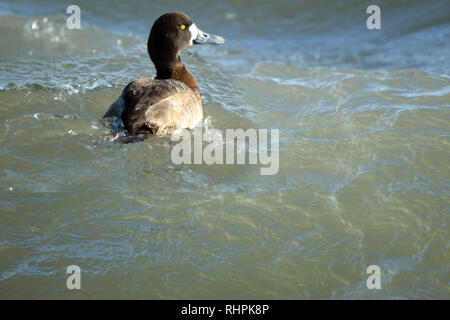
x=153, y=106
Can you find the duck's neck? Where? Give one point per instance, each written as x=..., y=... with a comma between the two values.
x=178, y=72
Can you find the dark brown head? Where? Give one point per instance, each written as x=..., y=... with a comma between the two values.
x=172, y=33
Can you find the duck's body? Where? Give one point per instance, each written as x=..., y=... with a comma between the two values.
x=172, y=100
x=150, y=106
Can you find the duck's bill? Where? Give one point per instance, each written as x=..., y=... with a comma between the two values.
x=203, y=37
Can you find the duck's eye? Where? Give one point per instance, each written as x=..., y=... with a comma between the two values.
x=183, y=27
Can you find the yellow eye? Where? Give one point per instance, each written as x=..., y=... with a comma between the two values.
x=183, y=27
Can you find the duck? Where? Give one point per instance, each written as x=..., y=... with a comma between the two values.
x=172, y=99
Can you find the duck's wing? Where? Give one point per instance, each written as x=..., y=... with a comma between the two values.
x=130, y=96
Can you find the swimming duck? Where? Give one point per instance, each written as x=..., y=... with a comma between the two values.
x=172, y=99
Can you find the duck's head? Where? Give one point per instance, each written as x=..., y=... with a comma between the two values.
x=172, y=33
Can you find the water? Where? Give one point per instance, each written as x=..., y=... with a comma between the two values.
x=364, y=154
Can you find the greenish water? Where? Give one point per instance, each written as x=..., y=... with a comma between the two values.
x=364, y=155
